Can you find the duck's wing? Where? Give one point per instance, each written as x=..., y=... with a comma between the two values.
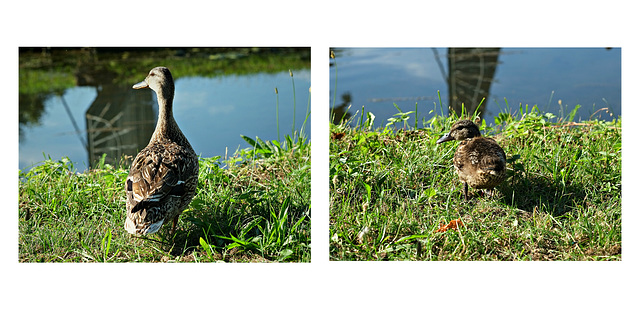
x=154, y=188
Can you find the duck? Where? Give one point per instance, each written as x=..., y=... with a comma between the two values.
x=479, y=161
x=163, y=177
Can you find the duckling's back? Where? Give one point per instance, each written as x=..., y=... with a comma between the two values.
x=480, y=162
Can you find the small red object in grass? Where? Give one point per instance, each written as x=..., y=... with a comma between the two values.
x=454, y=224
x=337, y=135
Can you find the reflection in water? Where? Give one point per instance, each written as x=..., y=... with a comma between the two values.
x=31, y=109
x=471, y=72
x=120, y=120
x=341, y=111
x=553, y=79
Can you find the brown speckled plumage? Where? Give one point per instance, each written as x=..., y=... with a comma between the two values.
x=480, y=162
x=163, y=177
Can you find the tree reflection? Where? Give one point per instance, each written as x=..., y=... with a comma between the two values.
x=468, y=75
x=341, y=111
x=471, y=72
x=120, y=120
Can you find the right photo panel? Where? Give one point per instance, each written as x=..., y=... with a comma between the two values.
x=467, y=154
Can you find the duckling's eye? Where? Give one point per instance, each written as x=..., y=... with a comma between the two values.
x=152, y=74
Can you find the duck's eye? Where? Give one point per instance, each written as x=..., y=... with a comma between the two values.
x=152, y=74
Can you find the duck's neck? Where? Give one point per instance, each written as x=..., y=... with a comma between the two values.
x=166, y=125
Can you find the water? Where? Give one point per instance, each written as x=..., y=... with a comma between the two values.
x=554, y=79
x=211, y=111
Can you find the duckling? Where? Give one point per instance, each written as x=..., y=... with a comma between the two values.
x=480, y=162
x=163, y=177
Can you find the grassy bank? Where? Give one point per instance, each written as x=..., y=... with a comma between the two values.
x=391, y=190
x=257, y=209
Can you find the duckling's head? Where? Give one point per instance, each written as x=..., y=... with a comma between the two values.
x=159, y=80
x=461, y=130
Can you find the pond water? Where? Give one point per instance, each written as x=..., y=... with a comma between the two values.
x=554, y=79
x=212, y=112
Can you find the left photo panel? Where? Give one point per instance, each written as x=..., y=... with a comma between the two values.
x=164, y=154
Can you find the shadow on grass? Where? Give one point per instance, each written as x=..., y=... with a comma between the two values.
x=542, y=194
x=217, y=226
x=201, y=224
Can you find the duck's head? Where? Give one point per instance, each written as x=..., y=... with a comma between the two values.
x=461, y=130
x=159, y=80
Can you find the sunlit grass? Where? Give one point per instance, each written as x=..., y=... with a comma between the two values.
x=252, y=207
x=391, y=189
x=239, y=212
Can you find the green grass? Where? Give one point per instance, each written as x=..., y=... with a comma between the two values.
x=253, y=210
x=252, y=207
x=391, y=189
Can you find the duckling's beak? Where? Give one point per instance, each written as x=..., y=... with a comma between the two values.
x=140, y=85
x=445, y=138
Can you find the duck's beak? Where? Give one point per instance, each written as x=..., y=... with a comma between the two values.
x=140, y=85
x=445, y=138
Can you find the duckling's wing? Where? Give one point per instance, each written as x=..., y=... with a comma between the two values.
x=481, y=154
x=492, y=157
